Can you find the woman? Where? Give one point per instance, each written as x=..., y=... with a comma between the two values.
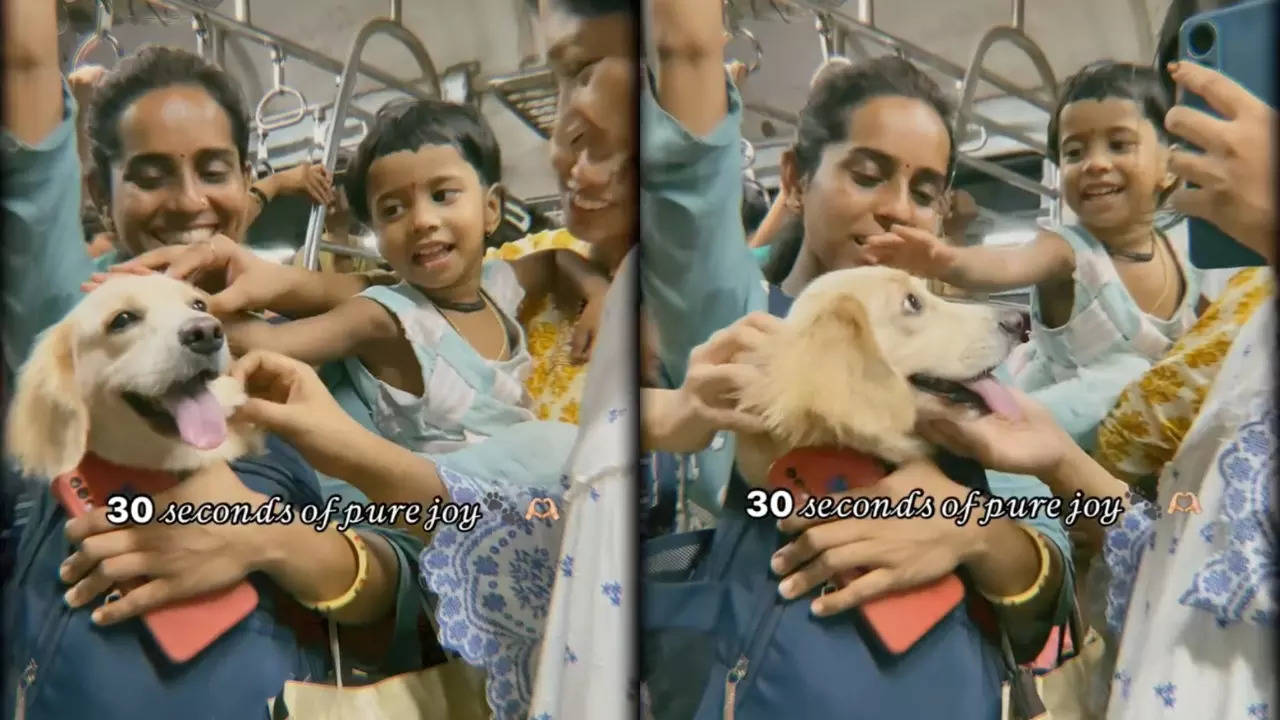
x=1192, y=597
x=699, y=278
x=873, y=149
x=170, y=139
x=499, y=624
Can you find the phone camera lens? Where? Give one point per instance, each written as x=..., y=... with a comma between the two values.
x=1201, y=39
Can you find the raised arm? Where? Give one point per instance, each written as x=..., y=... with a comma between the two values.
x=687, y=37
x=1046, y=259
x=337, y=334
x=44, y=259
x=33, y=100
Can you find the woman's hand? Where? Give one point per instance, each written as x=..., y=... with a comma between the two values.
x=305, y=179
x=288, y=398
x=83, y=81
x=238, y=279
x=686, y=420
x=896, y=553
x=1236, y=171
x=916, y=251
x=173, y=561
x=1033, y=444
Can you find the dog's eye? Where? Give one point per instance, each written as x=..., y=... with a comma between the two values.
x=911, y=304
x=121, y=321
x=198, y=304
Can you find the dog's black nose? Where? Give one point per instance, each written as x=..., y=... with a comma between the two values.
x=1011, y=321
x=201, y=335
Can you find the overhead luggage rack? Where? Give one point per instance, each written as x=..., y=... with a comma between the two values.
x=531, y=95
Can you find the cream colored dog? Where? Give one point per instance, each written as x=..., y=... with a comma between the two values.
x=134, y=374
x=862, y=349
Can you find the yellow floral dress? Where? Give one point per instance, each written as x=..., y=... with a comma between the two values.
x=1144, y=430
x=554, y=382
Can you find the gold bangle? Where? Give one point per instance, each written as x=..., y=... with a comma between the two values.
x=362, y=575
x=1007, y=601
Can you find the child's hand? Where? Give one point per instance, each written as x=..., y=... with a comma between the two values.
x=913, y=250
x=586, y=329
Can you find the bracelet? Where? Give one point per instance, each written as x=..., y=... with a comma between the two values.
x=362, y=575
x=1008, y=601
x=258, y=195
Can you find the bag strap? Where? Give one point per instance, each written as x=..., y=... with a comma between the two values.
x=1024, y=699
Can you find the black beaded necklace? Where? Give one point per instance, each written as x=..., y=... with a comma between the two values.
x=462, y=307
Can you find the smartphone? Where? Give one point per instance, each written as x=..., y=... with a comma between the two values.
x=898, y=620
x=181, y=629
x=1239, y=42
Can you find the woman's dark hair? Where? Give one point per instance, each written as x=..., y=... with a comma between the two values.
x=837, y=91
x=409, y=125
x=154, y=67
x=1108, y=79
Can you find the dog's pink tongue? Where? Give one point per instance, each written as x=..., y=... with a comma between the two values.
x=996, y=396
x=199, y=416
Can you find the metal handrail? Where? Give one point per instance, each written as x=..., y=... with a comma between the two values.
x=347, y=83
x=105, y=19
x=290, y=118
x=304, y=53
x=1028, y=46
x=845, y=22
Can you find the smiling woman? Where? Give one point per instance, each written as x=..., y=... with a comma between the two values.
x=169, y=133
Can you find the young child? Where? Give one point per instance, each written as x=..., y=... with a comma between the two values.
x=1112, y=293
x=439, y=357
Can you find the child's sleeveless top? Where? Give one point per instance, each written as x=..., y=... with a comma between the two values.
x=467, y=397
x=1108, y=340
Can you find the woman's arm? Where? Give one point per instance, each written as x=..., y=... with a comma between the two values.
x=33, y=101
x=698, y=275
x=563, y=272
x=773, y=221
x=303, y=179
x=44, y=259
x=688, y=39
x=315, y=567
x=337, y=334
x=289, y=399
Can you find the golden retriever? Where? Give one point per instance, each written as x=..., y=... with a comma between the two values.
x=134, y=374
x=861, y=350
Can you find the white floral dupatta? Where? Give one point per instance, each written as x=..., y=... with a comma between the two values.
x=585, y=665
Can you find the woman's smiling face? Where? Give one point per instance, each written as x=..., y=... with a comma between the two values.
x=179, y=178
x=892, y=169
x=593, y=144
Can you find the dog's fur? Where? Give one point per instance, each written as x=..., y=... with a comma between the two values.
x=70, y=393
x=839, y=373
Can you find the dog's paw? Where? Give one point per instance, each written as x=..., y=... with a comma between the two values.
x=229, y=392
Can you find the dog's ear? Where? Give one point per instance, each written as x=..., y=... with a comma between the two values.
x=829, y=382
x=48, y=424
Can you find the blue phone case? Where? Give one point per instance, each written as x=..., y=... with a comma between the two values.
x=1239, y=42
